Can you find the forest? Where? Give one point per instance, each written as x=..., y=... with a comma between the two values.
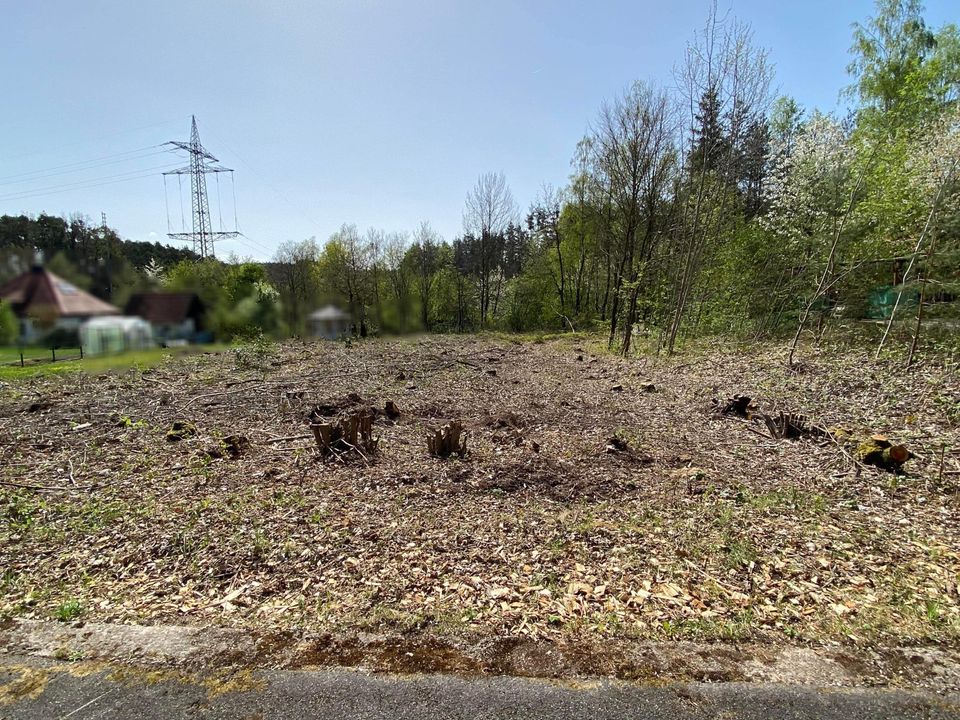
x=705, y=207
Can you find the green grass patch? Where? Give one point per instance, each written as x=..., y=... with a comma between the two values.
x=139, y=359
x=69, y=610
x=12, y=354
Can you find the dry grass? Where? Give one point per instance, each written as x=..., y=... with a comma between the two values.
x=701, y=528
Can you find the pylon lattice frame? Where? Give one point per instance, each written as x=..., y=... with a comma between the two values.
x=201, y=162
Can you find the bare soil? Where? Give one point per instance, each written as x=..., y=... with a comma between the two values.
x=600, y=499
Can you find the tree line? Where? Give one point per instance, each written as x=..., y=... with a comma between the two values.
x=705, y=208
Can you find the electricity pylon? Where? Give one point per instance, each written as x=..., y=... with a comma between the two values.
x=201, y=162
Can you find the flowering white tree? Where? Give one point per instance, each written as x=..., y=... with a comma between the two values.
x=154, y=271
x=810, y=194
x=808, y=189
x=932, y=175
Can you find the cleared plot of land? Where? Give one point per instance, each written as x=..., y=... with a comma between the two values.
x=601, y=498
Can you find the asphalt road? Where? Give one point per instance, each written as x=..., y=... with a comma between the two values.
x=36, y=689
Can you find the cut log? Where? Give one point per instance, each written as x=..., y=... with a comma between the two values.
x=448, y=440
x=897, y=454
x=878, y=451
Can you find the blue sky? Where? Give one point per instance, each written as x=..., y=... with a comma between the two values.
x=374, y=113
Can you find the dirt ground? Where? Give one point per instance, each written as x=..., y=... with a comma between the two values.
x=600, y=497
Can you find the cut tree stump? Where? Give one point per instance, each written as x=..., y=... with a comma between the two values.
x=448, y=440
x=738, y=405
x=346, y=434
x=789, y=426
x=181, y=430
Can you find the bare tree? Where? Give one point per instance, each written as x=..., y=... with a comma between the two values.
x=490, y=208
x=375, y=243
x=724, y=79
x=543, y=221
x=397, y=269
x=426, y=248
x=580, y=185
x=349, y=264
x=297, y=278
x=633, y=152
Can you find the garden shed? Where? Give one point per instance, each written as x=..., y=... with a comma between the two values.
x=173, y=315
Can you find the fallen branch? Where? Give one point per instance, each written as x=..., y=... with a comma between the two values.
x=270, y=441
x=50, y=488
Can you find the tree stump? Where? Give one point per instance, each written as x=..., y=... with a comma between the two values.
x=346, y=434
x=790, y=426
x=738, y=405
x=448, y=440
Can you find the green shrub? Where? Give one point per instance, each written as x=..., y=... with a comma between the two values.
x=9, y=326
x=254, y=351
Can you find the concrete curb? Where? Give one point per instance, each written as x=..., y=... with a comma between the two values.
x=205, y=648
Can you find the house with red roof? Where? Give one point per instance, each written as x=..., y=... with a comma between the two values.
x=44, y=302
x=174, y=316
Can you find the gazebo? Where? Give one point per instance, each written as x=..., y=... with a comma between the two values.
x=329, y=322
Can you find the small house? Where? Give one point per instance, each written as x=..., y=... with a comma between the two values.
x=174, y=316
x=45, y=303
x=329, y=322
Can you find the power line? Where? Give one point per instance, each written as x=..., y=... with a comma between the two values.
x=79, y=165
x=183, y=223
x=219, y=201
x=57, y=192
x=79, y=170
x=233, y=187
x=92, y=140
x=84, y=184
x=251, y=243
x=276, y=191
x=166, y=201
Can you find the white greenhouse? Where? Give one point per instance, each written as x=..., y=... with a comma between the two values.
x=102, y=335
